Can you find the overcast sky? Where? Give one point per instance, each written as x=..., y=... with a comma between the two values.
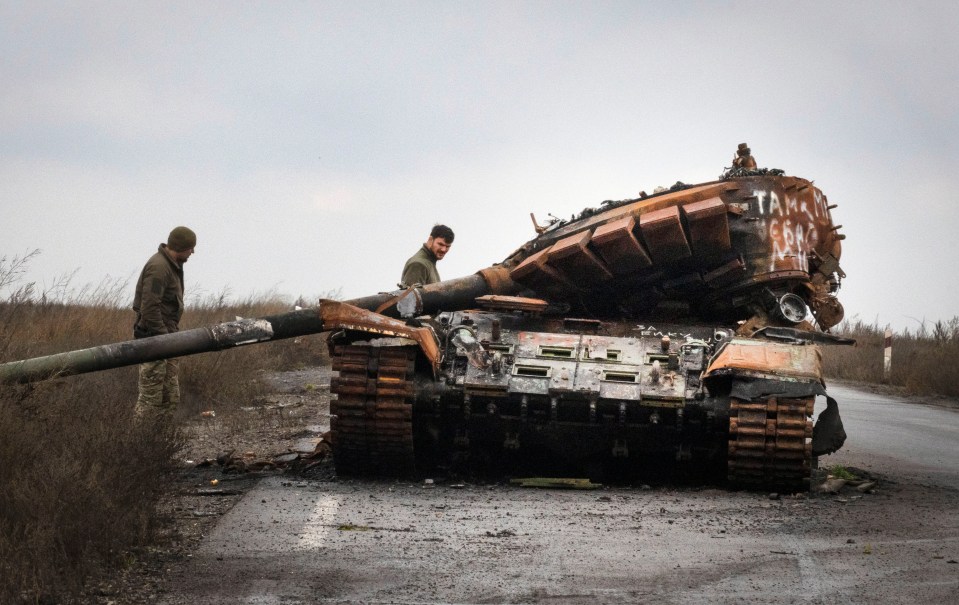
x=312, y=145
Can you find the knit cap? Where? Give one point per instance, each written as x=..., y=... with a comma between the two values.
x=181, y=239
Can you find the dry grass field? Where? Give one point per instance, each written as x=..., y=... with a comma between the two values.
x=79, y=477
x=922, y=360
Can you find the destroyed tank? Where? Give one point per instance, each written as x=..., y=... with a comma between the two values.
x=674, y=333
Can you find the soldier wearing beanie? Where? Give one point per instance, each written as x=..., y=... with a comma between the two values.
x=158, y=304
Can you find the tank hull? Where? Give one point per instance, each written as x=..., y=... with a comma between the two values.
x=523, y=394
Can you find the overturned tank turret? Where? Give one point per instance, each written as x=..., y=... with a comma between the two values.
x=670, y=333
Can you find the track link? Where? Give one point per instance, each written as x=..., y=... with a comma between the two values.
x=769, y=443
x=371, y=425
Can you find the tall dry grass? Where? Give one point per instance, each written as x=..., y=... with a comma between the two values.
x=922, y=359
x=80, y=479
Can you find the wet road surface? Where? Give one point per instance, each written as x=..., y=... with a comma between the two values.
x=294, y=542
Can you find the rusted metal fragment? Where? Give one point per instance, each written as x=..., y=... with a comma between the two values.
x=339, y=315
x=535, y=273
x=827, y=310
x=663, y=233
x=708, y=228
x=572, y=257
x=742, y=356
x=616, y=242
x=511, y=303
x=556, y=483
x=827, y=265
x=498, y=279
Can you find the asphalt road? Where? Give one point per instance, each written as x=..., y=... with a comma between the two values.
x=291, y=542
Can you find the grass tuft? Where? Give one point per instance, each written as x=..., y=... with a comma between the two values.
x=840, y=472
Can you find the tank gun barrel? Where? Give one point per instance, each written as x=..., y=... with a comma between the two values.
x=449, y=295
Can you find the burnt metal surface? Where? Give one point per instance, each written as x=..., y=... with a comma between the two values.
x=342, y=316
x=712, y=246
x=762, y=358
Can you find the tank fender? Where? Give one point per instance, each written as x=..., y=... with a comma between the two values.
x=763, y=358
x=338, y=315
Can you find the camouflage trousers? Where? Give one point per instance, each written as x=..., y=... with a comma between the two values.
x=159, y=388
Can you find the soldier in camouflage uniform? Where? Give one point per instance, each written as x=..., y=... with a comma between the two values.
x=159, y=305
x=421, y=267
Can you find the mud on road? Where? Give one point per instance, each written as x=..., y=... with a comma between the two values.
x=281, y=537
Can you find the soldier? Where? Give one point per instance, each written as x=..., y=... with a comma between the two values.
x=421, y=267
x=159, y=305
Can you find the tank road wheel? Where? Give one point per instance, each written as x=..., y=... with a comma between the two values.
x=371, y=424
x=769, y=443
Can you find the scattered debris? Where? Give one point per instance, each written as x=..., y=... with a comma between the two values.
x=555, y=482
x=832, y=485
x=354, y=527
x=218, y=492
x=307, y=446
x=351, y=527
x=839, y=478
x=313, y=449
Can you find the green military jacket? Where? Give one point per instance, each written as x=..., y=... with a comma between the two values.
x=420, y=269
x=159, y=296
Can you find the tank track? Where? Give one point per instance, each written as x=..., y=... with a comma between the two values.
x=371, y=424
x=769, y=443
